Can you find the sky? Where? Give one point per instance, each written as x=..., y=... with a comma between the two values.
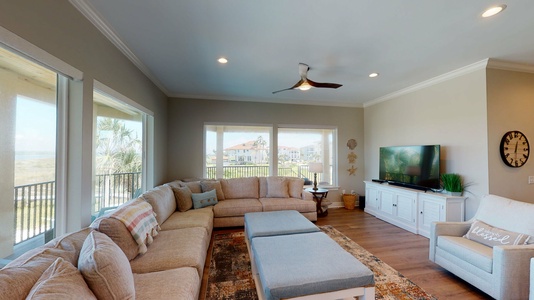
x=35, y=125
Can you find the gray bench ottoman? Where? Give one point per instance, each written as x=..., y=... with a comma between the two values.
x=277, y=223
x=308, y=266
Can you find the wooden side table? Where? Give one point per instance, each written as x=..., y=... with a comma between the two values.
x=318, y=196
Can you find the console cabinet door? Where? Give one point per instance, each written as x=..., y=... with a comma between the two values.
x=371, y=198
x=430, y=210
x=405, y=208
x=387, y=202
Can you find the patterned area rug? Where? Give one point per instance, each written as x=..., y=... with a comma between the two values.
x=230, y=276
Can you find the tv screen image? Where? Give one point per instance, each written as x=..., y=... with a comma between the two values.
x=411, y=166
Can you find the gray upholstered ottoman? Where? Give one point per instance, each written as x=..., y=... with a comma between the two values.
x=277, y=223
x=308, y=266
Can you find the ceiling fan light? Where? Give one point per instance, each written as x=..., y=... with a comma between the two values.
x=493, y=11
x=222, y=60
x=305, y=86
x=373, y=75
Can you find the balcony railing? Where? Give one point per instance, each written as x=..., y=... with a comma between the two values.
x=35, y=203
x=249, y=171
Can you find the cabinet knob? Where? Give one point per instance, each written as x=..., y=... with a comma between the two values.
x=421, y=212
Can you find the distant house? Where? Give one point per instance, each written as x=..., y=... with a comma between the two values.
x=291, y=154
x=248, y=152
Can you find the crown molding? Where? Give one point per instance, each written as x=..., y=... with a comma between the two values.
x=438, y=79
x=510, y=66
x=90, y=14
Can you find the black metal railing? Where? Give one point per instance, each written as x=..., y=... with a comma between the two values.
x=114, y=189
x=248, y=171
x=34, y=209
x=35, y=203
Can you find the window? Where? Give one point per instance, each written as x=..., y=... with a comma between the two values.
x=297, y=147
x=237, y=151
x=28, y=155
x=240, y=151
x=118, y=155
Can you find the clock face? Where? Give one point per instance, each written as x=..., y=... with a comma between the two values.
x=514, y=149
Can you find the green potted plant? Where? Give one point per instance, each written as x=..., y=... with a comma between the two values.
x=452, y=183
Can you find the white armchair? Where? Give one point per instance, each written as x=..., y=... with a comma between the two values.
x=501, y=271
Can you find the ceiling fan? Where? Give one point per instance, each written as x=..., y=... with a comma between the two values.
x=305, y=84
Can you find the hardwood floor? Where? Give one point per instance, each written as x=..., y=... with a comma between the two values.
x=404, y=251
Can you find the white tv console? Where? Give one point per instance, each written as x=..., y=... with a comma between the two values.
x=410, y=209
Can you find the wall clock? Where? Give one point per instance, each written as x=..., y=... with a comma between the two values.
x=514, y=149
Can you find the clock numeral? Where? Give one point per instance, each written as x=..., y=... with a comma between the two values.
x=525, y=156
x=507, y=154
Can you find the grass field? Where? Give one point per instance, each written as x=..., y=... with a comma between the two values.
x=37, y=170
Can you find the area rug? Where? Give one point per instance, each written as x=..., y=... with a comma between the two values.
x=230, y=276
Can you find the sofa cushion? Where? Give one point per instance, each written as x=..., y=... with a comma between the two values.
x=512, y=215
x=277, y=187
x=20, y=275
x=117, y=231
x=296, y=186
x=274, y=204
x=105, y=268
x=202, y=217
x=479, y=255
x=491, y=236
x=61, y=281
x=236, y=207
x=240, y=188
x=181, y=283
x=194, y=186
x=162, y=200
x=208, y=185
x=204, y=199
x=182, y=194
x=172, y=249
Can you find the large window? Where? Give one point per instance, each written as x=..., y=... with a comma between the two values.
x=118, y=155
x=240, y=151
x=237, y=151
x=298, y=147
x=28, y=154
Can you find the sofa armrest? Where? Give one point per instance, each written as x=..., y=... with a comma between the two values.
x=511, y=264
x=307, y=196
x=445, y=228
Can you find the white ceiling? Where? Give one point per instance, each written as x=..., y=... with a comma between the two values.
x=177, y=43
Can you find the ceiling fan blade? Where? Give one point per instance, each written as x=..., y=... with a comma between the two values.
x=324, y=84
x=291, y=88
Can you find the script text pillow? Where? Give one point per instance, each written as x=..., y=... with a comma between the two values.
x=61, y=281
x=277, y=187
x=491, y=236
x=204, y=199
x=105, y=268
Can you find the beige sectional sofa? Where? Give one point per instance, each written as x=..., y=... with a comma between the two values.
x=103, y=261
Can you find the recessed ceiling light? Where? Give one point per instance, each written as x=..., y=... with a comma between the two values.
x=493, y=10
x=373, y=75
x=222, y=60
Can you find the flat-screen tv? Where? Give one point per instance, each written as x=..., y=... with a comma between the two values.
x=411, y=166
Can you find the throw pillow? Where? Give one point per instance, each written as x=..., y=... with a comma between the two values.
x=204, y=199
x=296, y=186
x=105, y=268
x=208, y=185
x=61, y=281
x=277, y=187
x=162, y=200
x=183, y=198
x=194, y=186
x=491, y=236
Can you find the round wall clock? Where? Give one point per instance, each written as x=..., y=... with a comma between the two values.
x=514, y=149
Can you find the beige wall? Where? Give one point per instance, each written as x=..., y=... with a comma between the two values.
x=186, y=125
x=452, y=114
x=59, y=29
x=510, y=107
